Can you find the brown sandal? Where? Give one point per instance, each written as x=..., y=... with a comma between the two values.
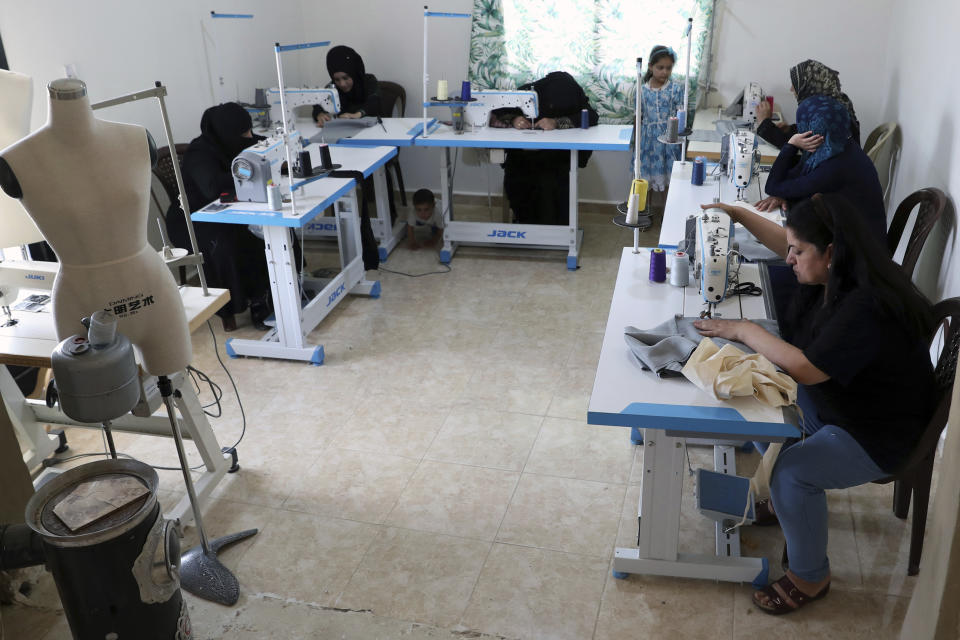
x=765, y=517
x=777, y=605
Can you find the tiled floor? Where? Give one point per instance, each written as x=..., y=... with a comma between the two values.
x=436, y=478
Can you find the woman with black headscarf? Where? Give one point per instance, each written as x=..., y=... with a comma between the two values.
x=537, y=183
x=358, y=90
x=232, y=256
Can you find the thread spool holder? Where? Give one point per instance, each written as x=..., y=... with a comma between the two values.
x=621, y=221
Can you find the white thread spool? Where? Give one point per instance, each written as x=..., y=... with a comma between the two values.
x=441, y=89
x=680, y=270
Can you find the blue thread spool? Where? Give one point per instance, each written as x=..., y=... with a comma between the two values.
x=465, y=90
x=658, y=265
x=682, y=120
x=699, y=172
x=584, y=119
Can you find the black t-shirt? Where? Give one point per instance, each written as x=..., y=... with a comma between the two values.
x=881, y=379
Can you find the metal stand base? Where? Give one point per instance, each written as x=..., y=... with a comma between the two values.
x=203, y=575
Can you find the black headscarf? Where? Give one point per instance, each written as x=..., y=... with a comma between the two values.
x=345, y=59
x=222, y=126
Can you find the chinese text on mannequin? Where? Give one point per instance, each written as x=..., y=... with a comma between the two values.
x=16, y=98
x=86, y=184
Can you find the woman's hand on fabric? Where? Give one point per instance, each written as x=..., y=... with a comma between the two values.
x=351, y=116
x=726, y=329
x=547, y=124
x=808, y=141
x=764, y=111
x=521, y=122
x=771, y=203
x=322, y=118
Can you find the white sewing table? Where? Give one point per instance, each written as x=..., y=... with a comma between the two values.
x=30, y=342
x=294, y=320
x=387, y=233
x=706, y=119
x=604, y=137
x=669, y=411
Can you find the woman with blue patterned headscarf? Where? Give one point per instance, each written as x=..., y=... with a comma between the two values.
x=836, y=165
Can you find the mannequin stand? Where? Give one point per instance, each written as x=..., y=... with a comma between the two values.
x=201, y=573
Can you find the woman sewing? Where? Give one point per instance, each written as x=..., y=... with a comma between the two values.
x=807, y=79
x=836, y=163
x=856, y=341
x=358, y=90
x=232, y=256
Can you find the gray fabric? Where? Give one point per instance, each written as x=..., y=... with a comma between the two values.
x=665, y=348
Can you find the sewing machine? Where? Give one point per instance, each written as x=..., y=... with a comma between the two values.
x=256, y=167
x=712, y=235
x=477, y=114
x=17, y=275
x=328, y=99
x=744, y=106
x=742, y=159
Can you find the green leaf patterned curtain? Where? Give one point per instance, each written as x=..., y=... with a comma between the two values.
x=596, y=41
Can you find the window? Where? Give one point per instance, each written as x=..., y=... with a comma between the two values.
x=596, y=41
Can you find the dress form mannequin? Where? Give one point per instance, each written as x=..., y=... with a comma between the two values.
x=86, y=184
x=16, y=98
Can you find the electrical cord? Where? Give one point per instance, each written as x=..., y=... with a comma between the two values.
x=747, y=289
x=243, y=415
x=419, y=275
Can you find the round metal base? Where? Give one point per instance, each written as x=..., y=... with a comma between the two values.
x=644, y=222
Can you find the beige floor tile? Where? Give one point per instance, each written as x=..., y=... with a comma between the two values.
x=263, y=616
x=659, y=607
x=574, y=449
x=305, y=557
x=563, y=514
x=586, y=350
x=841, y=614
x=418, y=576
x=357, y=485
x=536, y=594
x=407, y=433
x=480, y=438
x=30, y=623
x=520, y=387
x=455, y=500
x=883, y=545
x=572, y=397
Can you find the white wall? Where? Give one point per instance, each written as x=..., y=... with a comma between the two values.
x=118, y=47
x=760, y=41
x=921, y=93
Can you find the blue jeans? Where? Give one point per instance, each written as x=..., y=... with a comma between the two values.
x=828, y=458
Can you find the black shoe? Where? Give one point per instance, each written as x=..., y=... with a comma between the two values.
x=229, y=323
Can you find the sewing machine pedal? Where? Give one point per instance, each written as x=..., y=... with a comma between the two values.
x=722, y=496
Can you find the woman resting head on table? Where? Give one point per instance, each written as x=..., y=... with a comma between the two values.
x=358, y=90
x=537, y=182
x=856, y=341
x=824, y=159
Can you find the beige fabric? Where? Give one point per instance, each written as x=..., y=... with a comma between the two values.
x=726, y=372
x=934, y=612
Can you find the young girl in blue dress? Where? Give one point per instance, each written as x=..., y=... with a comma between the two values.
x=661, y=97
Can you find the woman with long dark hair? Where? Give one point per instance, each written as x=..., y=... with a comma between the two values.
x=856, y=341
